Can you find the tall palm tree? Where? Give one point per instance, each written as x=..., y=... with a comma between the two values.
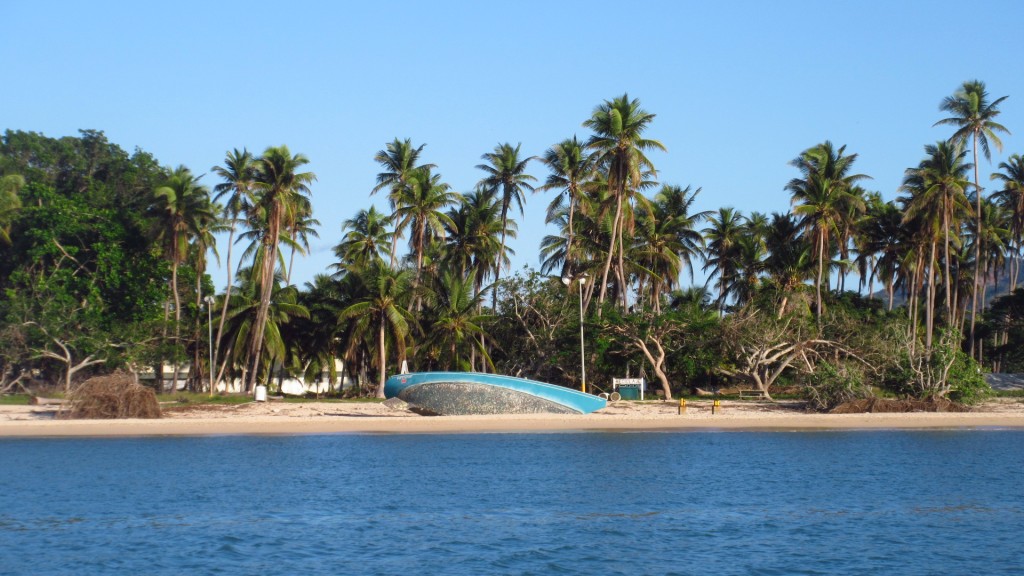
x=824, y=200
x=238, y=175
x=618, y=145
x=722, y=237
x=938, y=187
x=382, y=310
x=180, y=207
x=279, y=188
x=974, y=118
x=399, y=160
x=1011, y=198
x=366, y=239
x=571, y=166
x=507, y=179
x=420, y=207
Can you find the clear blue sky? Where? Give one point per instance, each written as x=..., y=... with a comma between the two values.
x=739, y=89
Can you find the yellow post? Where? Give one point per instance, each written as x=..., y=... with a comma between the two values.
x=682, y=405
x=716, y=406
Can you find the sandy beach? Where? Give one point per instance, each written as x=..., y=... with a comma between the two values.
x=365, y=417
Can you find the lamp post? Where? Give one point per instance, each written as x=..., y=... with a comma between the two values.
x=583, y=357
x=209, y=299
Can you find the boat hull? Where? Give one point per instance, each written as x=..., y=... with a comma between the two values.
x=460, y=393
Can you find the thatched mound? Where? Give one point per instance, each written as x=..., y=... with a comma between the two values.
x=111, y=396
x=879, y=405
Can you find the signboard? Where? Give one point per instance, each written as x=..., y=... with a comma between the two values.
x=634, y=385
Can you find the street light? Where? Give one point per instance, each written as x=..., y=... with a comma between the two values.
x=583, y=361
x=209, y=299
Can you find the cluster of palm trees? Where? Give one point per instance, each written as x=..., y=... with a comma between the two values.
x=939, y=244
x=269, y=194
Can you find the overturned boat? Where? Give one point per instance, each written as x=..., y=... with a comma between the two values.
x=459, y=393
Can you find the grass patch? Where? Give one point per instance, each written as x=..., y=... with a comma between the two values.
x=201, y=398
x=15, y=399
x=1008, y=393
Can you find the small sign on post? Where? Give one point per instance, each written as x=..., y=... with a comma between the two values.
x=629, y=388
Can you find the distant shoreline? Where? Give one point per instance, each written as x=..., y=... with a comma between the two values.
x=370, y=418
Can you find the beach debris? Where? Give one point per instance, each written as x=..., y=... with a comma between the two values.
x=395, y=403
x=889, y=405
x=111, y=396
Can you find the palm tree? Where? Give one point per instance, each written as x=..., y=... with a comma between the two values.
x=570, y=167
x=419, y=206
x=619, y=147
x=366, y=239
x=507, y=179
x=241, y=328
x=382, y=309
x=398, y=161
x=1011, y=198
x=722, y=237
x=938, y=188
x=677, y=202
x=278, y=189
x=180, y=208
x=974, y=117
x=238, y=175
x=454, y=306
x=787, y=262
x=824, y=199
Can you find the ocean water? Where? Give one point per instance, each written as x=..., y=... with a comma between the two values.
x=863, y=502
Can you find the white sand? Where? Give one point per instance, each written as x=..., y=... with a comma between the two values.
x=364, y=417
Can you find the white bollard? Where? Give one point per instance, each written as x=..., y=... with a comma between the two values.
x=261, y=393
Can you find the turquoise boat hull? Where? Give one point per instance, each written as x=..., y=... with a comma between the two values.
x=459, y=393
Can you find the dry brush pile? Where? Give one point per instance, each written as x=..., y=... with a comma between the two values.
x=111, y=396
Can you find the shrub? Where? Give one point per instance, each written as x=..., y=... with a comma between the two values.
x=112, y=396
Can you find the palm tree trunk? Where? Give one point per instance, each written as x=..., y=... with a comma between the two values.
x=177, y=325
x=224, y=309
x=611, y=253
x=930, y=295
x=977, y=246
x=948, y=285
x=383, y=360
x=266, y=285
x=817, y=284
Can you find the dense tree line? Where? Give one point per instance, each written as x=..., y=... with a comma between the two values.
x=104, y=266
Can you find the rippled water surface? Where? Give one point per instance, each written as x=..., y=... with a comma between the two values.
x=949, y=502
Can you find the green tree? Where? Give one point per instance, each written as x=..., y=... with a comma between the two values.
x=457, y=325
x=10, y=203
x=823, y=197
x=399, y=161
x=506, y=179
x=366, y=239
x=238, y=175
x=722, y=237
x=973, y=116
x=570, y=166
x=181, y=208
x=1011, y=198
x=382, y=310
x=619, y=147
x=938, y=200
x=279, y=188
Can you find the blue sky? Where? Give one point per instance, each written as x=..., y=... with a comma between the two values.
x=739, y=88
